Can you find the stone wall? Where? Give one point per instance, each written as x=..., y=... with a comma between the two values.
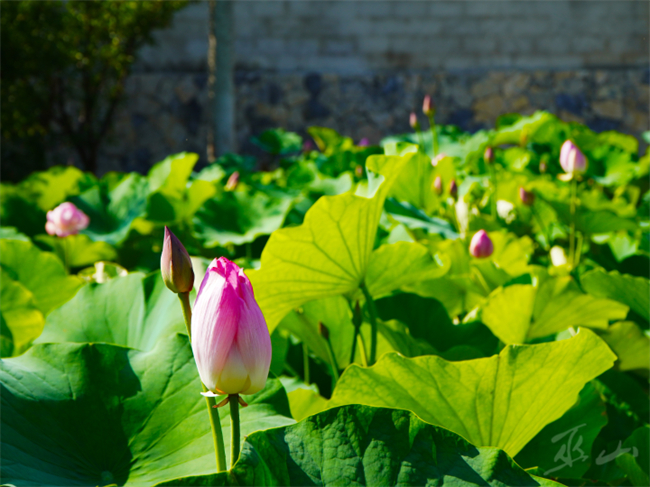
x=361, y=66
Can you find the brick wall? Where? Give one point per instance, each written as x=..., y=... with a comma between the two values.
x=361, y=66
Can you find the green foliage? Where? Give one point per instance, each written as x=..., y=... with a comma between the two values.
x=477, y=359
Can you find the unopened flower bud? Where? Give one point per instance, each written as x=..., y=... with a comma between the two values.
x=176, y=265
x=363, y=142
x=526, y=197
x=413, y=121
x=307, y=146
x=558, y=256
x=323, y=331
x=481, y=246
x=543, y=167
x=488, y=155
x=66, y=219
x=437, y=185
x=428, y=107
x=230, y=339
x=453, y=189
x=233, y=181
x=358, y=171
x=572, y=160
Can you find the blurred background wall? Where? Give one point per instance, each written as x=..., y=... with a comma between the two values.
x=360, y=67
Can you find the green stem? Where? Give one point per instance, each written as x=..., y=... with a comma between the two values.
x=362, y=350
x=578, y=250
x=373, y=323
x=234, y=428
x=493, y=199
x=420, y=139
x=215, y=422
x=305, y=359
x=434, y=135
x=356, y=321
x=249, y=251
x=333, y=363
x=572, y=234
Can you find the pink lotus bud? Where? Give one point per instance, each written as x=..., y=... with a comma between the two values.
x=413, y=121
x=233, y=181
x=230, y=339
x=437, y=185
x=526, y=197
x=542, y=167
x=176, y=265
x=453, y=189
x=489, y=155
x=307, y=146
x=481, y=245
x=571, y=159
x=358, y=171
x=428, y=107
x=66, y=219
x=437, y=159
x=364, y=142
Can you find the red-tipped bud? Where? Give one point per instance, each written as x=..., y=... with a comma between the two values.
x=481, y=246
x=437, y=185
x=526, y=197
x=233, y=181
x=428, y=107
x=176, y=265
x=323, y=331
x=453, y=189
x=413, y=121
x=488, y=155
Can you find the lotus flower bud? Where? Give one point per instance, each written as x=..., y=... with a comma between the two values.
x=428, y=107
x=233, y=181
x=453, y=189
x=526, y=197
x=363, y=142
x=358, y=171
x=437, y=159
x=488, y=155
x=558, y=257
x=437, y=185
x=176, y=265
x=571, y=159
x=481, y=245
x=307, y=146
x=66, y=219
x=413, y=121
x=542, y=167
x=230, y=339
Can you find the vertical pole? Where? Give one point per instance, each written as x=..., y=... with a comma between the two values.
x=220, y=81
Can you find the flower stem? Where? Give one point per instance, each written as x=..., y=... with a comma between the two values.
x=333, y=363
x=356, y=321
x=572, y=234
x=373, y=323
x=305, y=361
x=362, y=349
x=542, y=227
x=234, y=429
x=434, y=135
x=493, y=199
x=215, y=422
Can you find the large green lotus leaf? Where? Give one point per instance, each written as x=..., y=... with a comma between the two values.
x=236, y=217
x=132, y=311
x=631, y=345
x=574, y=434
x=414, y=185
x=402, y=263
x=42, y=273
x=113, y=205
x=11, y=233
x=335, y=314
x=358, y=445
x=501, y=401
x=635, y=457
x=305, y=402
x=78, y=250
x=49, y=188
x=627, y=289
x=172, y=173
x=22, y=321
x=413, y=218
x=97, y=414
x=329, y=253
x=521, y=312
x=428, y=320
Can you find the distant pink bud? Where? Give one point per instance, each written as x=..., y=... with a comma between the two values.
x=364, y=142
x=571, y=159
x=526, y=197
x=437, y=185
x=176, y=265
x=230, y=339
x=358, y=171
x=481, y=245
x=437, y=159
x=66, y=219
x=307, y=146
x=489, y=155
x=233, y=181
x=542, y=167
x=413, y=121
x=453, y=189
x=428, y=107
